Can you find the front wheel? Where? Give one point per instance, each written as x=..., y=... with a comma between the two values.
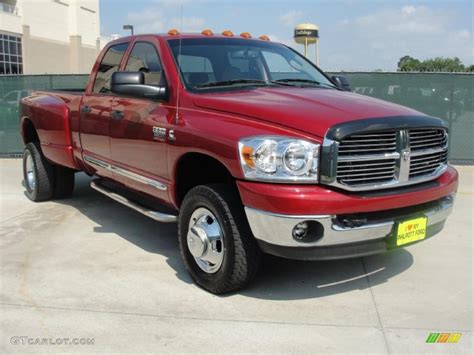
x=216, y=243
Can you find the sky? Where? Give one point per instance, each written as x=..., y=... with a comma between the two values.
x=354, y=34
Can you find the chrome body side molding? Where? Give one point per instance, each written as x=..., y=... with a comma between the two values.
x=126, y=173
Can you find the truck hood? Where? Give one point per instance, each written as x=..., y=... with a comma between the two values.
x=311, y=110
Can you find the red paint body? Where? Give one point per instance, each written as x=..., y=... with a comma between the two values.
x=210, y=124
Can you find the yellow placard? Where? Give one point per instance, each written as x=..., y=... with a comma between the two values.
x=411, y=231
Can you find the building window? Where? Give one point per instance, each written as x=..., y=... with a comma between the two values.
x=11, y=57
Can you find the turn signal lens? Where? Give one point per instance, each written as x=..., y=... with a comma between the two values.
x=227, y=33
x=173, y=32
x=247, y=156
x=207, y=32
x=264, y=38
x=245, y=35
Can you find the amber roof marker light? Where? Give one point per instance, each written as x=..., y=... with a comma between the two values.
x=173, y=32
x=264, y=38
x=245, y=35
x=227, y=33
x=207, y=32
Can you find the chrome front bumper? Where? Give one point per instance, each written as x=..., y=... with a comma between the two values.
x=276, y=229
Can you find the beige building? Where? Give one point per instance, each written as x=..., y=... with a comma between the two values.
x=48, y=36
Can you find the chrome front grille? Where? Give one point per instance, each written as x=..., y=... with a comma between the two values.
x=365, y=144
x=353, y=172
x=421, y=139
x=388, y=158
x=427, y=164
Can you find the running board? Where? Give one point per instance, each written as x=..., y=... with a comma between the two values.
x=157, y=216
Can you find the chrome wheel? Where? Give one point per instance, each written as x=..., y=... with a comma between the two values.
x=30, y=172
x=205, y=240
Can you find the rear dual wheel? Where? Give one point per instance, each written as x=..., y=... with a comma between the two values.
x=215, y=240
x=43, y=180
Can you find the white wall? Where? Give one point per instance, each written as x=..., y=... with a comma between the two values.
x=67, y=30
x=10, y=23
x=58, y=20
x=84, y=21
x=47, y=19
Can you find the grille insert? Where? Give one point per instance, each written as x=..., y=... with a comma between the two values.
x=421, y=139
x=391, y=158
x=427, y=163
x=365, y=144
x=363, y=172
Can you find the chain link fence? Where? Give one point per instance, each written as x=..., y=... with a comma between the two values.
x=446, y=95
x=12, y=89
x=449, y=96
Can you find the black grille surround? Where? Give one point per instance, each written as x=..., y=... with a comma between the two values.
x=384, y=155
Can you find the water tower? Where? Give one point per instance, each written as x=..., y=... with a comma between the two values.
x=306, y=34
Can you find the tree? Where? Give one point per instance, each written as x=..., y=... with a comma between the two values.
x=408, y=63
x=438, y=64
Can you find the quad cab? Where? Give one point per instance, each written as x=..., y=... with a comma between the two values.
x=248, y=146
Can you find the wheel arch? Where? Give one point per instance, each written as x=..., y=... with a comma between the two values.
x=197, y=168
x=28, y=132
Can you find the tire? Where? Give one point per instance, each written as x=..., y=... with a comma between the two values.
x=240, y=252
x=63, y=182
x=38, y=174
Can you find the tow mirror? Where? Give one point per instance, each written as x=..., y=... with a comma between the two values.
x=133, y=84
x=342, y=82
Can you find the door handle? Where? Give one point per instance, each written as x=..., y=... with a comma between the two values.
x=86, y=109
x=117, y=115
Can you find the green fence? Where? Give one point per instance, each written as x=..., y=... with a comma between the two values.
x=445, y=95
x=449, y=96
x=12, y=89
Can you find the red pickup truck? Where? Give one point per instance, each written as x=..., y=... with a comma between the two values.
x=248, y=146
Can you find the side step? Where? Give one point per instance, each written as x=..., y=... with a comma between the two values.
x=157, y=216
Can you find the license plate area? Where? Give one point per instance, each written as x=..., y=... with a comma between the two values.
x=411, y=230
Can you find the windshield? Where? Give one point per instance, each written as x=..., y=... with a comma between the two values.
x=228, y=62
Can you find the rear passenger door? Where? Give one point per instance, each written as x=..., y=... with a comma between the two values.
x=95, y=111
x=139, y=128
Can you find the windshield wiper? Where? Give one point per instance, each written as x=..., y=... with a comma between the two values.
x=305, y=81
x=232, y=82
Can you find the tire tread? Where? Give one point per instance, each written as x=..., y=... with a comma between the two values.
x=246, y=258
x=44, y=172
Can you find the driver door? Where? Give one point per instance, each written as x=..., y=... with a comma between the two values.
x=139, y=128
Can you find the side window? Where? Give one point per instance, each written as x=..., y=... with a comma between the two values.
x=110, y=64
x=144, y=58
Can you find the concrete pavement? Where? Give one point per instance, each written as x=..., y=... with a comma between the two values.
x=87, y=267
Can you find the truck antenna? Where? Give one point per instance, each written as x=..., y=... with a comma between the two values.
x=176, y=118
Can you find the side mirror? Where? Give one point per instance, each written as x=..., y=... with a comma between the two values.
x=133, y=84
x=342, y=82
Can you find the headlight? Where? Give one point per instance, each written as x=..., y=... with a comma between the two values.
x=279, y=159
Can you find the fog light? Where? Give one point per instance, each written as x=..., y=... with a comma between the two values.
x=300, y=231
